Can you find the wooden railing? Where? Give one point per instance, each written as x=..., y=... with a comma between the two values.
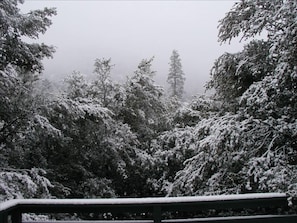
x=246, y=208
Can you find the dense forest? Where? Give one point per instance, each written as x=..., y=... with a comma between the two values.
x=98, y=138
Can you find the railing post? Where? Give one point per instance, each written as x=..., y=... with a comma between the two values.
x=3, y=217
x=16, y=216
x=157, y=214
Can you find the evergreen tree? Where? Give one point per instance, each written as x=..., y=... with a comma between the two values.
x=143, y=108
x=23, y=183
x=19, y=119
x=251, y=148
x=14, y=26
x=176, y=77
x=97, y=150
x=102, y=86
x=18, y=60
x=233, y=74
x=76, y=86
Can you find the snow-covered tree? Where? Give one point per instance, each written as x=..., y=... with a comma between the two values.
x=92, y=145
x=23, y=183
x=232, y=74
x=176, y=75
x=210, y=167
x=17, y=58
x=277, y=19
x=102, y=86
x=16, y=25
x=175, y=146
x=76, y=86
x=19, y=64
x=236, y=155
x=199, y=108
x=143, y=109
x=249, y=147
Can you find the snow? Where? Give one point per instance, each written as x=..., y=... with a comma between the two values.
x=149, y=200
x=8, y=204
x=233, y=218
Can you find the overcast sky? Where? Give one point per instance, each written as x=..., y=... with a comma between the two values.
x=129, y=31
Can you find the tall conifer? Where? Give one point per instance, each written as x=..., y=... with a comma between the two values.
x=176, y=77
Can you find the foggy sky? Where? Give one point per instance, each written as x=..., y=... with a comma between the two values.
x=129, y=31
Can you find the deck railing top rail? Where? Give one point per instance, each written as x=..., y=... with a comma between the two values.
x=11, y=211
x=149, y=200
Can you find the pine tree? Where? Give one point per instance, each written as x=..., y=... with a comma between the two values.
x=19, y=122
x=102, y=86
x=251, y=148
x=76, y=86
x=14, y=26
x=143, y=109
x=176, y=77
x=18, y=60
